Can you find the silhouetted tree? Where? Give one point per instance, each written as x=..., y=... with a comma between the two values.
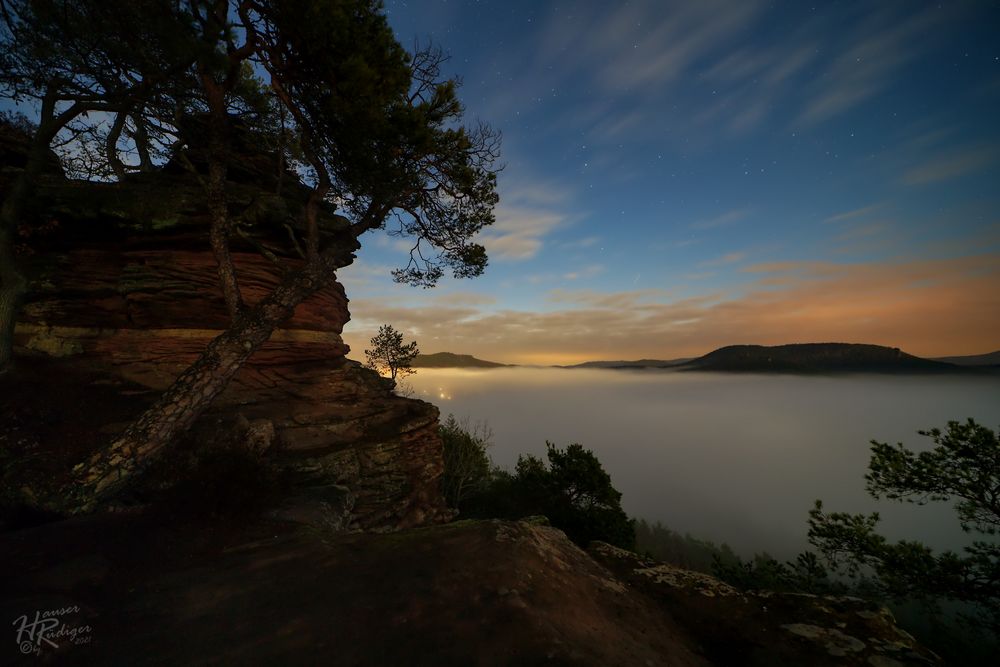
x=964, y=465
x=389, y=355
x=84, y=64
x=687, y=551
x=466, y=462
x=380, y=132
x=805, y=574
x=572, y=489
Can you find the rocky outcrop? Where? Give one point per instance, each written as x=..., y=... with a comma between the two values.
x=733, y=627
x=465, y=593
x=124, y=286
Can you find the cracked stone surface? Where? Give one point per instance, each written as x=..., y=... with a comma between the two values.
x=764, y=627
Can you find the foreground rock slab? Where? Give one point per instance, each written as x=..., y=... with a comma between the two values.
x=733, y=627
x=489, y=593
x=130, y=590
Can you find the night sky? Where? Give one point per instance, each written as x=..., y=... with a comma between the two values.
x=685, y=175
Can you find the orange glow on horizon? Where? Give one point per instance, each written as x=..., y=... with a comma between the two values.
x=928, y=308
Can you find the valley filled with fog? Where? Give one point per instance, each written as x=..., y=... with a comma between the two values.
x=734, y=458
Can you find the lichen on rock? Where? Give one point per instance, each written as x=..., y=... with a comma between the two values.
x=767, y=627
x=833, y=640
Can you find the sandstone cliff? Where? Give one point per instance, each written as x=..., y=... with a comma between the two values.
x=124, y=294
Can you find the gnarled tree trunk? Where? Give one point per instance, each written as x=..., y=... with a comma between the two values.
x=110, y=469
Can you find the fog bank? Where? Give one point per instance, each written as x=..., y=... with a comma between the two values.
x=727, y=457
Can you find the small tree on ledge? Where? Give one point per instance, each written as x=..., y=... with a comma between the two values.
x=389, y=355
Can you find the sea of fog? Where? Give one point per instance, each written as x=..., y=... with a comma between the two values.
x=728, y=457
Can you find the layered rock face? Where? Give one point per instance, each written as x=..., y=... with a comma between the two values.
x=125, y=281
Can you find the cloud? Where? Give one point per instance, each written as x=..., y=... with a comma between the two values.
x=923, y=139
x=982, y=239
x=527, y=214
x=774, y=65
x=951, y=165
x=865, y=231
x=697, y=73
x=399, y=244
x=541, y=194
x=632, y=299
x=644, y=46
x=728, y=258
x=854, y=213
x=723, y=220
x=861, y=233
x=702, y=275
x=363, y=276
x=750, y=83
x=640, y=52
x=925, y=307
x=585, y=272
x=429, y=316
x=518, y=233
x=881, y=45
x=619, y=125
x=619, y=64
x=464, y=299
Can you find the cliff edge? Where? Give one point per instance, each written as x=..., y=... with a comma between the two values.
x=124, y=295
x=464, y=593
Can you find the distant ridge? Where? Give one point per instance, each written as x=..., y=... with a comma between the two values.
x=791, y=358
x=639, y=363
x=816, y=358
x=451, y=360
x=988, y=359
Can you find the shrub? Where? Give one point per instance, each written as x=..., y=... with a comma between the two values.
x=572, y=489
x=466, y=463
